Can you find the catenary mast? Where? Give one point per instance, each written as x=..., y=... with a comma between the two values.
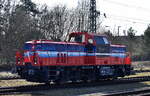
x=92, y=17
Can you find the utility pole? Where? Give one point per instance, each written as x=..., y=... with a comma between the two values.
x=119, y=30
x=79, y=25
x=93, y=15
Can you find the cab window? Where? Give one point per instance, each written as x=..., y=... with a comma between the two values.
x=77, y=38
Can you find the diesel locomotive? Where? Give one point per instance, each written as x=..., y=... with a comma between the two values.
x=84, y=56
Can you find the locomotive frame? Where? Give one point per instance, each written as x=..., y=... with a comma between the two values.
x=83, y=57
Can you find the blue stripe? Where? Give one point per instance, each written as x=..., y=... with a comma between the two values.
x=48, y=54
x=90, y=54
x=55, y=54
x=121, y=55
x=26, y=54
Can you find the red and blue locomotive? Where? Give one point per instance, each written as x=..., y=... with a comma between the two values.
x=83, y=56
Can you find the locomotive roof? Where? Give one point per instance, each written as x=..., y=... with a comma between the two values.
x=51, y=42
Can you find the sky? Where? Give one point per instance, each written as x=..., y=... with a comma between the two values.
x=124, y=13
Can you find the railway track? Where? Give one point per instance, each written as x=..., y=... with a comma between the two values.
x=139, y=92
x=9, y=78
x=140, y=71
x=39, y=87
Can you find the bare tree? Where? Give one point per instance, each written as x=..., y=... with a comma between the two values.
x=53, y=22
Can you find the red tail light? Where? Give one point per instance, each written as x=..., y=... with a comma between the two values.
x=35, y=60
x=18, y=58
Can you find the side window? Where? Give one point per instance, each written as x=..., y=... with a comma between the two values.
x=105, y=40
x=101, y=40
x=83, y=38
x=78, y=38
x=72, y=39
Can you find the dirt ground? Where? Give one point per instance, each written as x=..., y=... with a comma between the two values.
x=141, y=65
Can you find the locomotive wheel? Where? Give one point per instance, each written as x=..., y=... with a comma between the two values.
x=85, y=80
x=97, y=80
x=47, y=83
x=59, y=82
x=114, y=78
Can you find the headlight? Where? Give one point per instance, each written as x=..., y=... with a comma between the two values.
x=18, y=60
x=35, y=60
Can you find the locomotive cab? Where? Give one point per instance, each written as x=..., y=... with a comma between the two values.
x=101, y=42
x=83, y=38
x=78, y=38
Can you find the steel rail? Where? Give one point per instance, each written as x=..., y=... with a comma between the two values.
x=10, y=78
x=38, y=87
x=139, y=92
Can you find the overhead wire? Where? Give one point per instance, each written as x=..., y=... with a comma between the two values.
x=127, y=19
x=127, y=5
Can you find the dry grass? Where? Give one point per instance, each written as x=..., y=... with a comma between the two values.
x=9, y=83
x=18, y=95
x=18, y=82
x=141, y=65
x=7, y=74
x=139, y=74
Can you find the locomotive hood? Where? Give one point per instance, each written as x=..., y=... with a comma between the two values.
x=51, y=46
